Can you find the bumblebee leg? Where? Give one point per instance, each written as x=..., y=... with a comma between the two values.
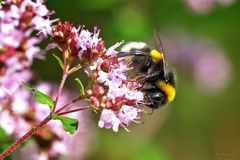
x=140, y=78
x=145, y=103
x=137, y=78
x=143, y=77
x=122, y=54
x=148, y=86
x=154, y=71
x=151, y=112
x=153, y=75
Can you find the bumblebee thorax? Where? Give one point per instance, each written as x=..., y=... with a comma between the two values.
x=134, y=45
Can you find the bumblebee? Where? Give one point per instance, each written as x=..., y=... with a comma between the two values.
x=158, y=81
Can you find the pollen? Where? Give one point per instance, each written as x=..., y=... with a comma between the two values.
x=156, y=55
x=168, y=89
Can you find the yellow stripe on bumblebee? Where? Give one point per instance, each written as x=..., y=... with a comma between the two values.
x=158, y=56
x=168, y=89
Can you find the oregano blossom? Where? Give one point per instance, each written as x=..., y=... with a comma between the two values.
x=45, y=110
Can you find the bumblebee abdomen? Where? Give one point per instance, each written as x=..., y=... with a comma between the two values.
x=168, y=89
x=156, y=98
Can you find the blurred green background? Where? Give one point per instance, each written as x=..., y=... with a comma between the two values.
x=198, y=124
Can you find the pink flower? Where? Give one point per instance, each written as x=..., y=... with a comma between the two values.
x=128, y=114
x=113, y=91
x=85, y=40
x=20, y=101
x=18, y=47
x=200, y=6
x=204, y=59
x=108, y=119
x=212, y=70
x=59, y=147
x=40, y=156
x=204, y=6
x=111, y=51
x=19, y=21
x=11, y=81
x=7, y=122
x=21, y=127
x=11, y=38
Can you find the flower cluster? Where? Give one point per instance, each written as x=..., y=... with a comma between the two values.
x=110, y=91
x=57, y=140
x=19, y=20
x=65, y=38
x=25, y=113
x=74, y=42
x=113, y=95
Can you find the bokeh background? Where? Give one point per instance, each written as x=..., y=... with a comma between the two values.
x=201, y=41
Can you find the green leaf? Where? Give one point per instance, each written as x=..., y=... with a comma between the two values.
x=80, y=86
x=43, y=98
x=75, y=69
x=25, y=85
x=69, y=124
x=59, y=61
x=40, y=97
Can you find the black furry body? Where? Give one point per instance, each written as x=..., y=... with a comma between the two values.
x=150, y=72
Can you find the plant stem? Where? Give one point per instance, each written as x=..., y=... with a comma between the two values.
x=64, y=77
x=20, y=141
x=25, y=137
x=69, y=104
x=73, y=110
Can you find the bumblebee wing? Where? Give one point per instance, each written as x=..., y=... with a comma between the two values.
x=158, y=46
x=157, y=41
